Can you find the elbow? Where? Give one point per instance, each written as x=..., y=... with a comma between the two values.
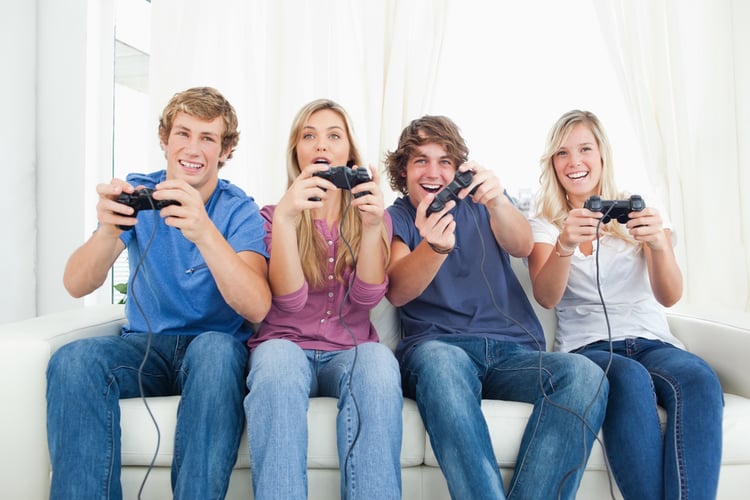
x=543, y=301
x=76, y=289
x=669, y=300
x=258, y=313
x=253, y=307
x=523, y=248
x=394, y=299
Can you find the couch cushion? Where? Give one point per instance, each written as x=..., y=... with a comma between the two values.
x=139, y=436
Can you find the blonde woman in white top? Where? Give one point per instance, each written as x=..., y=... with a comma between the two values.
x=609, y=284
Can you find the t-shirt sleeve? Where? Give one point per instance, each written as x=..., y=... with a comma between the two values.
x=543, y=231
x=403, y=223
x=247, y=228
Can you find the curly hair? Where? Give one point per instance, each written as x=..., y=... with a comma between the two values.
x=207, y=104
x=430, y=129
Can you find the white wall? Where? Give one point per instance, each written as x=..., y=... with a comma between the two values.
x=55, y=147
x=18, y=142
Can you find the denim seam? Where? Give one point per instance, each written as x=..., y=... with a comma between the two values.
x=679, y=458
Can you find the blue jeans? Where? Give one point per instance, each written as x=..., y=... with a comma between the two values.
x=450, y=377
x=86, y=380
x=283, y=377
x=643, y=373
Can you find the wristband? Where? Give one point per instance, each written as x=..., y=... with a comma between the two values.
x=441, y=251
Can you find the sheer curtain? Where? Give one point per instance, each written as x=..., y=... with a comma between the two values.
x=682, y=66
x=685, y=72
x=270, y=57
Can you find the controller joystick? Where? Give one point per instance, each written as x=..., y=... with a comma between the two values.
x=344, y=177
x=615, y=209
x=450, y=192
x=141, y=199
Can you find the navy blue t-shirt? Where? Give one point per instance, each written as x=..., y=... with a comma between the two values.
x=475, y=292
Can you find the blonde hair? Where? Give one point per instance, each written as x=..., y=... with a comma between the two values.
x=312, y=247
x=552, y=201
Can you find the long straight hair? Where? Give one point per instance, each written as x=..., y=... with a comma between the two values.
x=311, y=245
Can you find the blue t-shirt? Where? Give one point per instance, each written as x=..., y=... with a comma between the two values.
x=475, y=292
x=173, y=285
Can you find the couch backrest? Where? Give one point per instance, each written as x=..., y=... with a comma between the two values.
x=547, y=317
x=385, y=317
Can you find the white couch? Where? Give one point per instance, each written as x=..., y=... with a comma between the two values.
x=25, y=348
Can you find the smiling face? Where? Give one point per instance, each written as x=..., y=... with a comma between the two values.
x=193, y=151
x=323, y=139
x=578, y=164
x=428, y=170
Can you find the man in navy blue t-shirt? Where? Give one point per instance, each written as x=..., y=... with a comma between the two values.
x=470, y=332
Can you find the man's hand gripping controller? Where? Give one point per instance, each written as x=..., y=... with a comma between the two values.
x=141, y=199
x=450, y=192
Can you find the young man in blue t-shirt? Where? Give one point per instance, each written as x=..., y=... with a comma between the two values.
x=470, y=332
x=197, y=278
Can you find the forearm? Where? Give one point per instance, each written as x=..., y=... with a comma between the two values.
x=549, y=271
x=664, y=274
x=371, y=257
x=285, y=273
x=510, y=228
x=88, y=267
x=240, y=277
x=410, y=275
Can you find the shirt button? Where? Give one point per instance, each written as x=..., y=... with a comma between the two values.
x=328, y=313
x=330, y=276
x=330, y=242
x=330, y=294
x=322, y=320
x=330, y=259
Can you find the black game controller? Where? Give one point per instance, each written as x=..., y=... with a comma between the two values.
x=344, y=177
x=615, y=209
x=141, y=199
x=450, y=192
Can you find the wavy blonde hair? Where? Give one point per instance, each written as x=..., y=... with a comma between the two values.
x=311, y=244
x=552, y=201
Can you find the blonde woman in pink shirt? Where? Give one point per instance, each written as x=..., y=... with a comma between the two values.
x=329, y=247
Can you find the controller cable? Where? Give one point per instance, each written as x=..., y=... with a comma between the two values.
x=350, y=449
x=133, y=295
x=582, y=418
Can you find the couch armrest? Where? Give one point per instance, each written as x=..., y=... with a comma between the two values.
x=722, y=339
x=25, y=349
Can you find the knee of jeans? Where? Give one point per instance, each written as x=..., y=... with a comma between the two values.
x=70, y=362
x=702, y=380
x=585, y=376
x=443, y=371
x=379, y=366
x=627, y=375
x=280, y=364
x=211, y=350
x=436, y=358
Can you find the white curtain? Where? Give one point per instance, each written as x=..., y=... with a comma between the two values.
x=505, y=71
x=685, y=72
x=270, y=57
